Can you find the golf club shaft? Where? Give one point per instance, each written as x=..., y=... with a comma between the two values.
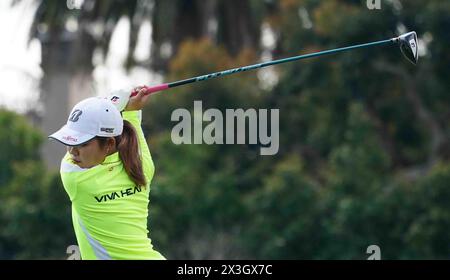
x=161, y=87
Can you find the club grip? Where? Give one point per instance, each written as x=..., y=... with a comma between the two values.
x=152, y=89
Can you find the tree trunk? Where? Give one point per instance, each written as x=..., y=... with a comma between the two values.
x=67, y=66
x=238, y=28
x=56, y=47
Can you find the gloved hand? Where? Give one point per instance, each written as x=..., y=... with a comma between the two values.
x=119, y=98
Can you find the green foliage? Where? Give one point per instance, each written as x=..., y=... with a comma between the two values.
x=18, y=143
x=284, y=214
x=349, y=129
x=35, y=211
x=427, y=234
x=36, y=214
x=199, y=200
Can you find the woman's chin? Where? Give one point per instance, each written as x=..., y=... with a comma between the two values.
x=79, y=163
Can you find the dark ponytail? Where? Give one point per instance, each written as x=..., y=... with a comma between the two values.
x=128, y=147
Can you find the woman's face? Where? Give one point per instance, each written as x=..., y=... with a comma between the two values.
x=88, y=155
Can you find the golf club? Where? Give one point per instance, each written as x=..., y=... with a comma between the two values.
x=407, y=42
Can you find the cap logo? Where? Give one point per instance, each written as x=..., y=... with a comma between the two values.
x=107, y=129
x=70, y=138
x=75, y=115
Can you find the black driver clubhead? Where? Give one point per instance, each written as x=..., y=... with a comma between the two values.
x=409, y=46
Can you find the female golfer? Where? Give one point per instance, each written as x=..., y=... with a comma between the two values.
x=107, y=172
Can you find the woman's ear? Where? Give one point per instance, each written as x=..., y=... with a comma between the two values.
x=110, y=145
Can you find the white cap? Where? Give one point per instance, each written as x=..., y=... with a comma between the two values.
x=91, y=117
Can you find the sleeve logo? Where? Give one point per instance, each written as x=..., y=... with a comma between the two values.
x=115, y=99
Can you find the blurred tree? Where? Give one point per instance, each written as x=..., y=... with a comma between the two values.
x=199, y=186
x=35, y=211
x=18, y=145
x=234, y=24
x=357, y=131
x=427, y=235
x=69, y=37
x=35, y=214
x=284, y=214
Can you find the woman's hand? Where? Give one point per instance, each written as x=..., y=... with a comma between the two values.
x=138, y=101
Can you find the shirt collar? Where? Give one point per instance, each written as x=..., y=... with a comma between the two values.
x=112, y=158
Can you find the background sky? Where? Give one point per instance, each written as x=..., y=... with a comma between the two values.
x=19, y=62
